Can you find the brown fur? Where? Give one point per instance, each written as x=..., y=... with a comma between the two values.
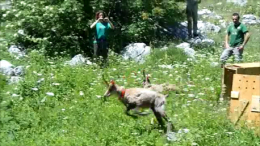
x=140, y=98
x=159, y=87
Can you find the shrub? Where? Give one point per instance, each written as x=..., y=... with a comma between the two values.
x=62, y=27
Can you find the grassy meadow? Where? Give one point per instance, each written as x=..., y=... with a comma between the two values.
x=60, y=105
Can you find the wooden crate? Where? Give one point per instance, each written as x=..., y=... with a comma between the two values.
x=245, y=101
x=230, y=70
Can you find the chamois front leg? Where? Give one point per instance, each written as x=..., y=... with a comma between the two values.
x=128, y=108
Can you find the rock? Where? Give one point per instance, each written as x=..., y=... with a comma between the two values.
x=5, y=5
x=19, y=71
x=223, y=23
x=249, y=16
x=189, y=52
x=136, y=51
x=238, y=2
x=208, y=42
x=166, y=66
x=201, y=41
x=14, y=80
x=6, y=68
x=186, y=49
x=207, y=26
x=250, y=19
x=171, y=136
x=16, y=51
x=78, y=60
x=5, y=64
x=183, y=45
x=164, y=48
x=205, y=13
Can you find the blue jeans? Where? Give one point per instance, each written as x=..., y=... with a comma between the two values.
x=238, y=54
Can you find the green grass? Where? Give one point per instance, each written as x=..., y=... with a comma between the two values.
x=67, y=118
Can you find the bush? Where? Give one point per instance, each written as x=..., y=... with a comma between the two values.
x=62, y=27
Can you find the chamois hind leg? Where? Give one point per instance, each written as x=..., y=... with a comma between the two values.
x=162, y=113
x=158, y=116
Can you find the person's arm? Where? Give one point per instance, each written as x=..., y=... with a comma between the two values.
x=226, y=41
x=110, y=23
x=246, y=37
x=93, y=24
x=227, y=38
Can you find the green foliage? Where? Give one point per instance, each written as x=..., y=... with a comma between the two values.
x=62, y=27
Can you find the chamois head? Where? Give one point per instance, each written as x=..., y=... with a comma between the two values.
x=146, y=80
x=111, y=87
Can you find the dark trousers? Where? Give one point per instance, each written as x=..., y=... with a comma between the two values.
x=101, y=49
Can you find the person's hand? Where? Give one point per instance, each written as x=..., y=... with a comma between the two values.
x=241, y=47
x=106, y=19
x=227, y=46
x=100, y=19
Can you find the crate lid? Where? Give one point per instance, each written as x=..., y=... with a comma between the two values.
x=245, y=65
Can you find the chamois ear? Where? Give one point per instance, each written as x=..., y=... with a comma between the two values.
x=144, y=73
x=147, y=79
x=105, y=80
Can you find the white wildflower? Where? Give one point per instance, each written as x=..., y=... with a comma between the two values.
x=35, y=89
x=201, y=94
x=56, y=84
x=50, y=93
x=191, y=95
x=41, y=80
x=229, y=133
x=81, y=93
x=98, y=96
x=186, y=130
x=44, y=99
x=63, y=109
x=15, y=95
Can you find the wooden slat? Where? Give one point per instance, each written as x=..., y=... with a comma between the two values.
x=247, y=86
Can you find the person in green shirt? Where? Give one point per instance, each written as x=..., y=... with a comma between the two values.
x=236, y=38
x=101, y=25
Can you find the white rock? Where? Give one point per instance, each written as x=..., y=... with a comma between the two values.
x=250, y=19
x=238, y=2
x=15, y=80
x=6, y=68
x=16, y=51
x=19, y=71
x=136, y=51
x=189, y=52
x=249, y=16
x=166, y=66
x=204, y=12
x=78, y=60
x=183, y=45
x=5, y=64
